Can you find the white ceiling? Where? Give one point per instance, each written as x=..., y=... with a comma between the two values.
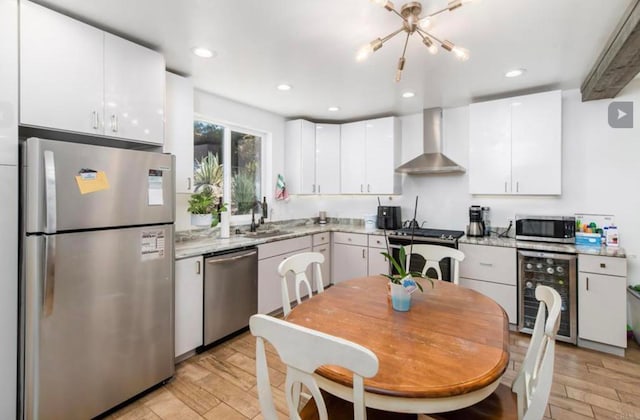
x=311, y=45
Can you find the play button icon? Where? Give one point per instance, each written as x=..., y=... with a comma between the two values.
x=621, y=114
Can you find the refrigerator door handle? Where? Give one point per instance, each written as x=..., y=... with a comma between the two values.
x=50, y=191
x=49, y=275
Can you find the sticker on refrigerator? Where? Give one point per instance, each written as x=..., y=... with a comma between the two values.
x=152, y=246
x=90, y=181
x=155, y=188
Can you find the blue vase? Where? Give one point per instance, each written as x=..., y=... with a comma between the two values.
x=400, y=298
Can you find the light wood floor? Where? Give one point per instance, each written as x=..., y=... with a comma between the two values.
x=220, y=384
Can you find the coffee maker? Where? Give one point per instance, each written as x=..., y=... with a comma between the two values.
x=476, y=224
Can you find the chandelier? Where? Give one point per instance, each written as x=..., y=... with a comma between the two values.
x=412, y=23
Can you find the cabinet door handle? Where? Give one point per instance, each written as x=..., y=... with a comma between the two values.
x=361, y=188
x=313, y=188
x=587, y=283
x=363, y=253
x=505, y=186
x=486, y=264
x=114, y=123
x=322, y=250
x=198, y=268
x=603, y=265
x=368, y=187
x=189, y=183
x=318, y=188
x=96, y=121
x=517, y=186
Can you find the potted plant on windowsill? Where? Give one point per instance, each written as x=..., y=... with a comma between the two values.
x=203, y=210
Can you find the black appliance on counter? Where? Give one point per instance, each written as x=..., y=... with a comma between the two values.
x=442, y=237
x=476, y=223
x=559, y=229
x=389, y=217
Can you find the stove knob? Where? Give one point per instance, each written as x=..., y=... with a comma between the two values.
x=450, y=237
x=442, y=236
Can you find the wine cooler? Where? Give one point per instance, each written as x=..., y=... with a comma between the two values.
x=557, y=271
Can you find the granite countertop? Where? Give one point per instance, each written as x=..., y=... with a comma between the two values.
x=545, y=246
x=186, y=247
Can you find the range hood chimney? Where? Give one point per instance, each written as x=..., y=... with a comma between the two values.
x=431, y=161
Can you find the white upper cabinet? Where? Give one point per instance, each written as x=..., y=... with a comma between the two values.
x=490, y=148
x=134, y=80
x=369, y=151
x=327, y=158
x=352, y=157
x=536, y=143
x=77, y=78
x=61, y=71
x=8, y=87
x=516, y=145
x=178, y=137
x=300, y=171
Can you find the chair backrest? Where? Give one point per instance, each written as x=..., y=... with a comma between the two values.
x=533, y=383
x=304, y=350
x=298, y=265
x=433, y=254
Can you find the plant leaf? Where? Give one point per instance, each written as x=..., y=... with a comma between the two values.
x=403, y=259
x=397, y=266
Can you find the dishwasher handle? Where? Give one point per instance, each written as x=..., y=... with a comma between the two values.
x=224, y=258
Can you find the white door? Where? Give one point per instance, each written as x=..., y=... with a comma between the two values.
x=328, y=158
x=134, y=91
x=352, y=158
x=490, y=147
x=377, y=263
x=325, y=268
x=178, y=138
x=536, y=143
x=348, y=262
x=61, y=71
x=601, y=314
x=308, y=158
x=188, y=304
x=379, y=163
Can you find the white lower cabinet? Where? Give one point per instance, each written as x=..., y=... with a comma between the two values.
x=188, y=304
x=377, y=263
x=492, y=271
x=350, y=255
x=270, y=255
x=602, y=302
x=322, y=245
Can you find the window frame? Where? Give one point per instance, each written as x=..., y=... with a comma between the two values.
x=226, y=159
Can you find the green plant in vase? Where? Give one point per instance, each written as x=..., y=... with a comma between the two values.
x=402, y=270
x=201, y=207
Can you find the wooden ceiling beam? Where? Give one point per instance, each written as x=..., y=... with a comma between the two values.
x=619, y=62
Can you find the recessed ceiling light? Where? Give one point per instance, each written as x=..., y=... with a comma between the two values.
x=203, y=52
x=408, y=95
x=334, y=109
x=514, y=73
x=284, y=87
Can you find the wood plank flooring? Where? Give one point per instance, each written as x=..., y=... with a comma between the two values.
x=220, y=384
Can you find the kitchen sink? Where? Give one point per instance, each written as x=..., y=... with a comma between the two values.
x=266, y=233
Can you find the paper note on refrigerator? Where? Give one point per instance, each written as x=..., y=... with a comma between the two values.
x=155, y=188
x=90, y=182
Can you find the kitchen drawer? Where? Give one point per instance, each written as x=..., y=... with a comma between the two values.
x=350, y=238
x=610, y=266
x=489, y=263
x=505, y=296
x=321, y=238
x=377, y=241
x=282, y=247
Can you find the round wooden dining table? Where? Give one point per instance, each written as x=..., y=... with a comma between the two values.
x=447, y=352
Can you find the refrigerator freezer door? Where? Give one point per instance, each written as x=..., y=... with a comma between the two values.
x=95, y=186
x=102, y=332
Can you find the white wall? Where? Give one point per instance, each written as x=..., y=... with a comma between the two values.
x=600, y=172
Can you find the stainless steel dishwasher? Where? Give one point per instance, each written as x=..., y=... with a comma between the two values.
x=230, y=293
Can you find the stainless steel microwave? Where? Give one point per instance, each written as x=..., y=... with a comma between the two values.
x=561, y=229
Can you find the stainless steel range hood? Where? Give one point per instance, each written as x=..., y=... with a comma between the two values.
x=432, y=161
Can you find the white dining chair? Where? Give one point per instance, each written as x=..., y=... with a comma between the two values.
x=304, y=350
x=298, y=264
x=433, y=254
x=528, y=396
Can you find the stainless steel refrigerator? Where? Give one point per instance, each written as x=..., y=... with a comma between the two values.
x=97, y=276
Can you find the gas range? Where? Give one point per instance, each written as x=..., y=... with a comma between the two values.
x=425, y=236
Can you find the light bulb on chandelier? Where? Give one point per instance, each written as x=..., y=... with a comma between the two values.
x=412, y=23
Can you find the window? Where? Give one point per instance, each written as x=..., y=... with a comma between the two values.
x=229, y=160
